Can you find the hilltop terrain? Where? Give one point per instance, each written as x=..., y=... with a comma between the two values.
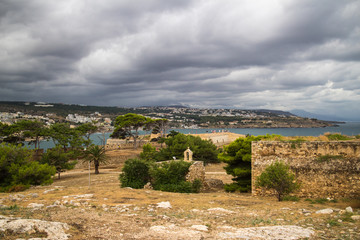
x=106, y=211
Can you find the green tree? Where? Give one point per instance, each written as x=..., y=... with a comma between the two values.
x=59, y=158
x=17, y=168
x=135, y=173
x=203, y=150
x=237, y=156
x=149, y=153
x=278, y=177
x=34, y=130
x=86, y=129
x=160, y=126
x=171, y=172
x=66, y=137
x=128, y=125
x=96, y=154
x=11, y=134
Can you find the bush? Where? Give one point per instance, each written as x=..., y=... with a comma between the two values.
x=172, y=172
x=58, y=158
x=33, y=173
x=166, y=176
x=278, y=177
x=180, y=187
x=135, y=173
x=148, y=153
x=196, y=185
x=18, y=171
x=337, y=137
x=232, y=187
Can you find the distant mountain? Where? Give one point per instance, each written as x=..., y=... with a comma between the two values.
x=303, y=113
x=277, y=112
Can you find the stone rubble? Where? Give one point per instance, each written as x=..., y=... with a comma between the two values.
x=54, y=230
x=200, y=228
x=163, y=205
x=35, y=205
x=349, y=209
x=271, y=232
x=325, y=211
x=220, y=210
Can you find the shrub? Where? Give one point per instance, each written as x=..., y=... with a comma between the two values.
x=278, y=177
x=171, y=172
x=148, y=153
x=166, y=176
x=18, y=171
x=135, y=173
x=196, y=185
x=337, y=137
x=180, y=187
x=232, y=187
x=58, y=158
x=33, y=173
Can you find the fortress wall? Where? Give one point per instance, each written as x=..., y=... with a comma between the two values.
x=114, y=144
x=220, y=139
x=334, y=178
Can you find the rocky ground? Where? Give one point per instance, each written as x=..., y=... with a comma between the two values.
x=70, y=209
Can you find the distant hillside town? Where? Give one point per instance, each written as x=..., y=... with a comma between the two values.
x=178, y=116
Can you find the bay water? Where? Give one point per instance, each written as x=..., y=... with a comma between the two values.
x=348, y=128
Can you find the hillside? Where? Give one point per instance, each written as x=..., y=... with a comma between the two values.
x=179, y=117
x=106, y=211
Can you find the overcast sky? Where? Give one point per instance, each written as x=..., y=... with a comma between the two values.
x=273, y=54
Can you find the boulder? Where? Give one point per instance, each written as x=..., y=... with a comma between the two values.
x=325, y=211
x=269, y=232
x=164, y=205
x=54, y=230
x=213, y=185
x=349, y=210
x=35, y=205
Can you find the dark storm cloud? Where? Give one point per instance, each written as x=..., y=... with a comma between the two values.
x=249, y=54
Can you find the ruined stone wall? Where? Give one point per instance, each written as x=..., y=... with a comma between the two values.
x=114, y=144
x=219, y=139
x=196, y=171
x=337, y=177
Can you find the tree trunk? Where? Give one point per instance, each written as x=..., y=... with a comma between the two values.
x=135, y=143
x=96, y=164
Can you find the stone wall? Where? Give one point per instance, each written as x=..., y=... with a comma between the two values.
x=219, y=139
x=196, y=171
x=337, y=177
x=114, y=144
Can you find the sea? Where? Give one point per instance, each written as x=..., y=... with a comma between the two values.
x=347, y=128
